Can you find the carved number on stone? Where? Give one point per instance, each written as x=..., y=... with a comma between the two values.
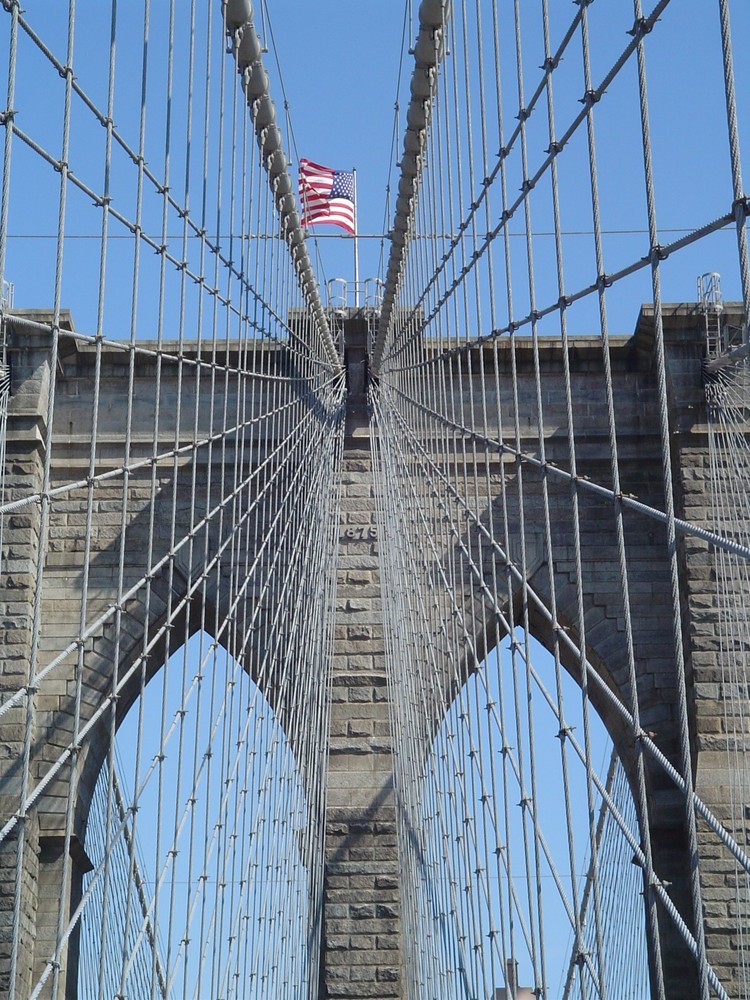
x=360, y=534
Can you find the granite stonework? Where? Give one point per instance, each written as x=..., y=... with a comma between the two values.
x=362, y=953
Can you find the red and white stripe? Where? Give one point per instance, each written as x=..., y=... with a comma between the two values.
x=315, y=184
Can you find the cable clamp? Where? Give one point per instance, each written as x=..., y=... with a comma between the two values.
x=590, y=98
x=603, y=281
x=655, y=882
x=554, y=147
x=641, y=27
x=550, y=63
x=741, y=206
x=523, y=114
x=657, y=253
x=7, y=116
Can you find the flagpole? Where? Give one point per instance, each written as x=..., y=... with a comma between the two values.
x=356, y=245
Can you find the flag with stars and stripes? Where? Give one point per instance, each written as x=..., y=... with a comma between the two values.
x=327, y=196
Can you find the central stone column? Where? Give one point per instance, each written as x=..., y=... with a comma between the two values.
x=361, y=954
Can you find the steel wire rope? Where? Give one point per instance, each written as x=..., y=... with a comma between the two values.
x=531, y=182
x=178, y=416
x=397, y=730
x=137, y=159
x=729, y=464
x=477, y=319
x=394, y=137
x=740, y=206
x=603, y=689
x=30, y=709
x=457, y=74
x=551, y=132
x=466, y=639
x=525, y=186
x=292, y=138
x=453, y=360
x=634, y=844
x=666, y=453
x=458, y=481
x=465, y=631
x=97, y=625
x=413, y=726
x=175, y=455
x=675, y=776
x=585, y=483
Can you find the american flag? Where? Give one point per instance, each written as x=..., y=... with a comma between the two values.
x=326, y=195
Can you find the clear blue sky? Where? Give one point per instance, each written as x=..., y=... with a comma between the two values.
x=340, y=64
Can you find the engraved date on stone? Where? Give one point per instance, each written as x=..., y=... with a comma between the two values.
x=361, y=533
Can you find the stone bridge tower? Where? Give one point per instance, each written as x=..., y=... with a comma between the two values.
x=362, y=954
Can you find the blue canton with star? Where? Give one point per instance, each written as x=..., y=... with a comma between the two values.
x=343, y=185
